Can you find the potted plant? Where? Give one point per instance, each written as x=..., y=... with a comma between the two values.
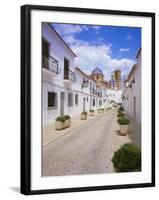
x=120, y=114
x=99, y=111
x=123, y=122
x=102, y=110
x=60, y=123
x=120, y=109
x=91, y=112
x=67, y=122
x=127, y=158
x=83, y=115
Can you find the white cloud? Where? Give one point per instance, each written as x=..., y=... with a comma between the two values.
x=66, y=29
x=71, y=40
x=91, y=56
x=96, y=28
x=124, y=49
x=94, y=54
x=128, y=37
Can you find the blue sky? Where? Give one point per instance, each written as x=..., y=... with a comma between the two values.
x=106, y=47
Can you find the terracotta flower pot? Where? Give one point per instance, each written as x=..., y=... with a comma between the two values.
x=59, y=125
x=83, y=116
x=123, y=129
x=91, y=113
x=67, y=123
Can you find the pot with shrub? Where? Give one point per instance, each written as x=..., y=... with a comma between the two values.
x=102, y=110
x=99, y=111
x=83, y=115
x=127, y=158
x=120, y=114
x=123, y=122
x=120, y=109
x=67, y=122
x=91, y=112
x=60, y=123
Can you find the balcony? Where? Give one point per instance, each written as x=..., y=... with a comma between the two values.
x=99, y=94
x=51, y=64
x=85, y=84
x=69, y=75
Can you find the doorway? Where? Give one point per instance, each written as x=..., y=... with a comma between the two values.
x=84, y=104
x=45, y=53
x=62, y=100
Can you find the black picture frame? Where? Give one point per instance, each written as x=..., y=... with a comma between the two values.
x=26, y=98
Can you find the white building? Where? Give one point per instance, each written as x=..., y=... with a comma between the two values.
x=58, y=76
x=132, y=91
x=114, y=96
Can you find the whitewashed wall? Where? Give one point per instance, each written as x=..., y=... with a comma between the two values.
x=114, y=95
x=135, y=91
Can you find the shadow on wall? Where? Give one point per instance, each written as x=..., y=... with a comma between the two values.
x=135, y=131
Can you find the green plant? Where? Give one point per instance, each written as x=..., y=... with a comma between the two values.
x=84, y=113
x=67, y=117
x=127, y=158
x=120, y=109
x=61, y=119
x=120, y=114
x=91, y=110
x=123, y=121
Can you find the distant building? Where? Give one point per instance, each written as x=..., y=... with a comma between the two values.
x=132, y=91
x=113, y=88
x=115, y=81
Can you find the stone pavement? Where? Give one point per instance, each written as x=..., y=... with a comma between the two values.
x=50, y=134
x=84, y=150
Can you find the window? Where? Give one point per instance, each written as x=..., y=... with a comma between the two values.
x=66, y=68
x=76, y=99
x=70, y=99
x=52, y=100
x=87, y=99
x=90, y=87
x=45, y=53
x=94, y=102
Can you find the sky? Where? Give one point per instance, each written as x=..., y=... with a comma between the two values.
x=106, y=47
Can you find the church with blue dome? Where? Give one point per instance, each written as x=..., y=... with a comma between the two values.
x=97, y=74
x=115, y=82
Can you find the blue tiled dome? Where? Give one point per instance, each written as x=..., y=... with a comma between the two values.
x=97, y=71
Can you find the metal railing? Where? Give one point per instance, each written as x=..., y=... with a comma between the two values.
x=99, y=94
x=85, y=83
x=51, y=64
x=69, y=75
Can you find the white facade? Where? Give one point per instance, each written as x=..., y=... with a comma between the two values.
x=114, y=96
x=132, y=91
x=66, y=89
x=53, y=82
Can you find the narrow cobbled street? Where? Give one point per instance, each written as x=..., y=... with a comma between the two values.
x=85, y=150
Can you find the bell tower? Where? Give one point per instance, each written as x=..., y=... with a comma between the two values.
x=117, y=78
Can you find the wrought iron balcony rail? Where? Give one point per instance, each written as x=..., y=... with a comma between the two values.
x=51, y=64
x=93, y=91
x=99, y=94
x=85, y=83
x=69, y=75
